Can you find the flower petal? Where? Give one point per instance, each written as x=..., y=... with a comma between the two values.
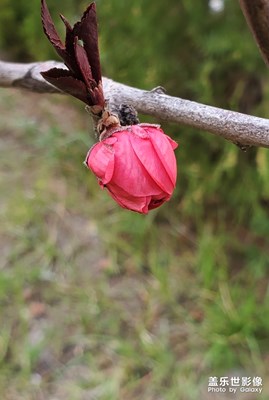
x=101, y=160
x=163, y=144
x=157, y=201
x=129, y=173
x=125, y=200
x=153, y=160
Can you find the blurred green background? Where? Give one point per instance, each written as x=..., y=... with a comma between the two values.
x=101, y=303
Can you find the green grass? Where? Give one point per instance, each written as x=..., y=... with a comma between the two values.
x=101, y=303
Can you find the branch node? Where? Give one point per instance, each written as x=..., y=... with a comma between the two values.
x=243, y=147
x=158, y=90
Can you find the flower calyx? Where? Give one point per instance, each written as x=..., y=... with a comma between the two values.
x=107, y=124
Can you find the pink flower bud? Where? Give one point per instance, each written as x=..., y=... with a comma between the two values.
x=137, y=165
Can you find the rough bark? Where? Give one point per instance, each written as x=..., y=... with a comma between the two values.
x=239, y=128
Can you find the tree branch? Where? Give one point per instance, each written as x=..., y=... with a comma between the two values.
x=239, y=128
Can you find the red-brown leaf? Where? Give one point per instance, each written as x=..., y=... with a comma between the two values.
x=83, y=80
x=50, y=30
x=70, y=47
x=65, y=81
x=97, y=95
x=83, y=63
x=86, y=30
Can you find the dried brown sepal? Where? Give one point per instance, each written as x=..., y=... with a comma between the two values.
x=83, y=78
